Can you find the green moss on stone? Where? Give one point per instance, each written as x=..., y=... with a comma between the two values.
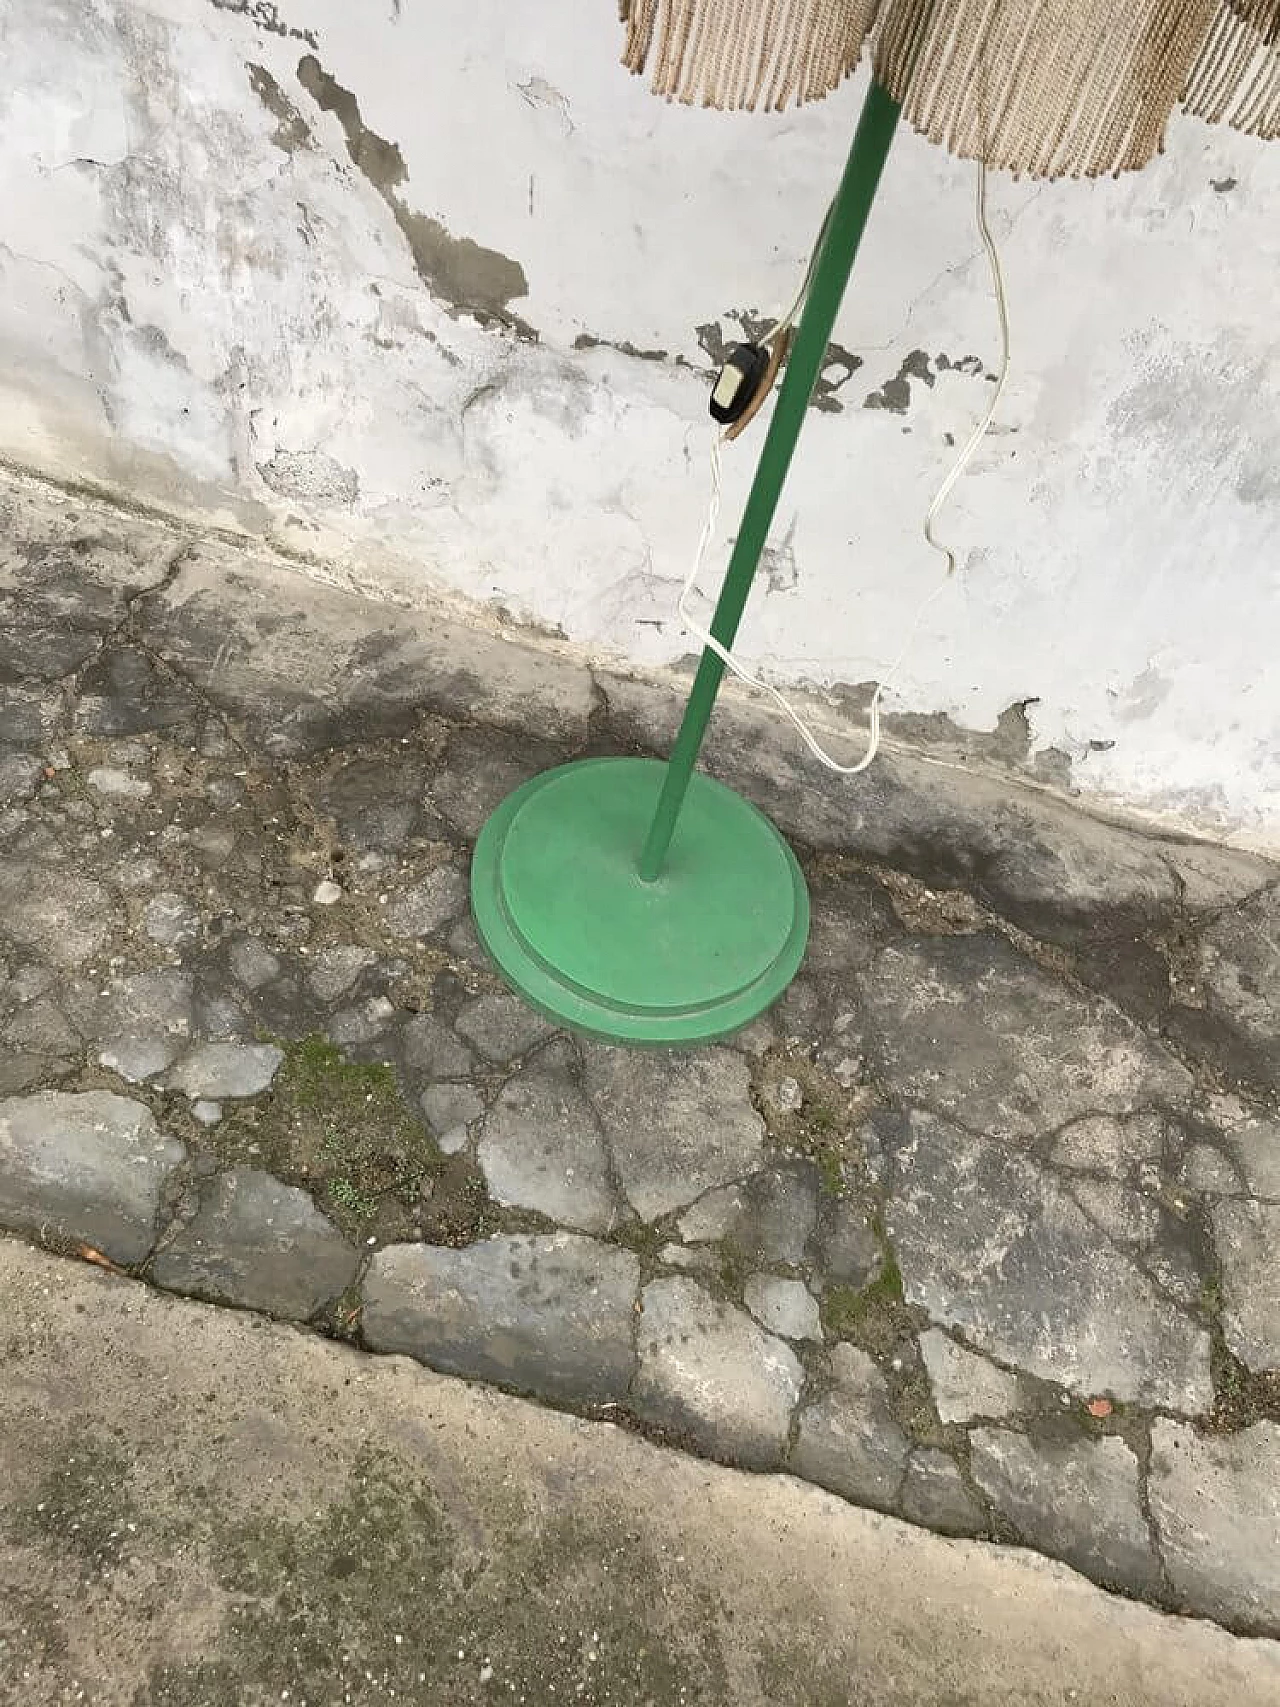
x=341, y=1129
x=642, y=1237
x=870, y=1316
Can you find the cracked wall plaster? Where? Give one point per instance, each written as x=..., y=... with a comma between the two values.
x=292, y=130
x=265, y=15
x=458, y=271
x=283, y=275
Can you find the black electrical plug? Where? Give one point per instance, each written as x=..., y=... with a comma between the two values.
x=738, y=382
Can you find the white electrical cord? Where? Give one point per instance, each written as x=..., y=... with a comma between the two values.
x=788, y=320
x=725, y=656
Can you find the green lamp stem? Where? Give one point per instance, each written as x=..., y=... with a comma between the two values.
x=848, y=219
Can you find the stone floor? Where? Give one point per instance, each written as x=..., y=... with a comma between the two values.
x=980, y=1227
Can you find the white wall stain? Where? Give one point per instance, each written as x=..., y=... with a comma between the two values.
x=205, y=301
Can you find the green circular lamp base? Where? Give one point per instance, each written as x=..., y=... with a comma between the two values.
x=694, y=955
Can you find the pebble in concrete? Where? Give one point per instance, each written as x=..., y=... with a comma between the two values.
x=501, y=1026
x=19, y=774
x=219, y=1018
x=429, y=1051
x=785, y=1307
x=1240, y=977
x=968, y=1027
x=217, y=1070
x=162, y=1000
x=375, y=798
x=449, y=1110
x=674, y=1135
x=170, y=920
x=709, y=1372
x=965, y=1385
x=253, y=963
x=428, y=905
x=787, y=1095
x=61, y=917
x=849, y=1440
x=1255, y=1144
x=1247, y=1238
x=1078, y=1499
x=551, y=1316
x=363, y=1023
x=41, y=1026
x=1101, y=1144
x=335, y=970
x=213, y=844
x=1215, y=1502
x=541, y=1149
x=117, y=784
x=768, y=1218
x=88, y=1168
x=1207, y=1169
x=934, y=1495
x=984, y=1236
x=846, y=1251
x=259, y=1244
x=140, y=1058
x=465, y=945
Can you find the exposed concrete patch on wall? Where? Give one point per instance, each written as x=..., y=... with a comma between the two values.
x=1053, y=767
x=624, y=347
x=169, y=398
x=154, y=339
x=781, y=571
x=310, y=476
x=1009, y=745
x=463, y=274
x=267, y=17
x=714, y=344
x=398, y=322
x=537, y=92
x=1145, y=694
x=839, y=366
x=963, y=364
x=1179, y=378
x=292, y=131
x=895, y=393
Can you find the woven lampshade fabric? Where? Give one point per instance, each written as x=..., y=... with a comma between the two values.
x=1049, y=88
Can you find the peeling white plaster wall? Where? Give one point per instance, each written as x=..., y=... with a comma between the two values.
x=205, y=300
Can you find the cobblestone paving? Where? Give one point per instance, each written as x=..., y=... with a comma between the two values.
x=981, y=1226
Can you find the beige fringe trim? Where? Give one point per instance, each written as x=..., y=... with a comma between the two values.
x=1236, y=79
x=1051, y=88
x=744, y=54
